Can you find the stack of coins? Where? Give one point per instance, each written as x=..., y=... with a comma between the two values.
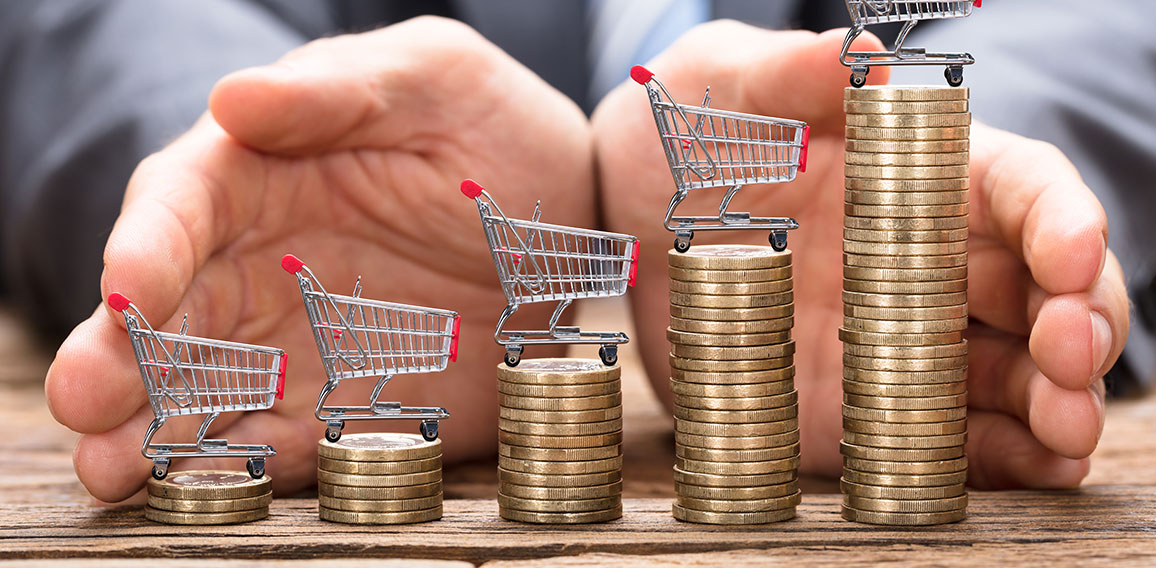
x=208, y=498
x=381, y=478
x=732, y=374
x=905, y=305
x=560, y=441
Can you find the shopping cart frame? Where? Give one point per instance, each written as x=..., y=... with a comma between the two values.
x=536, y=279
x=711, y=174
x=333, y=356
x=869, y=12
x=164, y=393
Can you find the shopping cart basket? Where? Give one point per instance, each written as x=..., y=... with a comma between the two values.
x=187, y=375
x=869, y=12
x=539, y=262
x=708, y=148
x=358, y=337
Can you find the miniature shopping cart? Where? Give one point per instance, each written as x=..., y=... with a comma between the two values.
x=187, y=375
x=539, y=262
x=358, y=337
x=870, y=12
x=709, y=148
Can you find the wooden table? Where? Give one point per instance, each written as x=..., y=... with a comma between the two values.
x=47, y=518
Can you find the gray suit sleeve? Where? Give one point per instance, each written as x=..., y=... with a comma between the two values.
x=1082, y=76
x=89, y=89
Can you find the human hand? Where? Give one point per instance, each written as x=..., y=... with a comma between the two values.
x=348, y=153
x=1046, y=298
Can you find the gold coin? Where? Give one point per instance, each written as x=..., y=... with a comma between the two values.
x=906, y=468
x=714, y=301
x=737, y=456
x=209, y=484
x=900, y=391
x=729, y=257
x=737, y=403
x=887, y=352
x=561, y=518
x=905, y=224
x=210, y=505
x=905, y=505
x=560, y=468
x=902, y=172
x=907, y=134
x=506, y=476
x=574, y=403
x=906, y=198
x=781, y=324
x=561, y=493
x=936, y=287
x=733, y=378
x=909, y=120
x=899, y=339
x=712, y=366
x=928, y=364
x=909, y=442
x=905, y=107
x=911, y=146
x=736, y=416
x=906, y=403
x=379, y=447
x=904, y=275
x=904, y=301
x=380, y=468
x=732, y=288
x=906, y=159
x=898, y=429
x=906, y=185
x=740, y=505
x=737, y=468
x=558, y=371
x=737, y=430
x=561, y=416
x=903, y=519
x=906, y=377
x=727, y=339
x=736, y=353
x=578, y=429
x=182, y=518
x=386, y=493
x=737, y=442
x=733, y=482
x=560, y=391
x=866, y=236
x=901, y=211
x=917, y=326
x=559, y=454
x=367, y=518
x=904, y=93
x=900, y=454
x=399, y=480
x=713, y=518
x=904, y=249
x=734, y=276
x=559, y=505
x=777, y=317
x=560, y=442
x=680, y=388
x=893, y=480
x=904, y=416
x=920, y=493
x=733, y=493
x=379, y=505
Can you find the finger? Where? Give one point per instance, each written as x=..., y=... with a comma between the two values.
x=1032, y=198
x=109, y=464
x=1004, y=454
x=998, y=287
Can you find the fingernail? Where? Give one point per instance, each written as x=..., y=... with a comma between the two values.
x=1101, y=342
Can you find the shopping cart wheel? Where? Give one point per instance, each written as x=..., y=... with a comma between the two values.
x=778, y=240
x=513, y=357
x=608, y=354
x=256, y=467
x=429, y=430
x=333, y=431
x=954, y=76
x=681, y=243
x=160, y=469
x=859, y=76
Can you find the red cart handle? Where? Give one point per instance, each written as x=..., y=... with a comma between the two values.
x=633, y=277
x=118, y=302
x=803, y=152
x=291, y=264
x=977, y=3
x=641, y=75
x=471, y=188
x=281, y=376
x=454, y=339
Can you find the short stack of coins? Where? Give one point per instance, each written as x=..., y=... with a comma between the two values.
x=732, y=375
x=381, y=478
x=560, y=441
x=905, y=305
x=208, y=498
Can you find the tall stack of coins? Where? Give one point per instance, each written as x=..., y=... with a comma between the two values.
x=732, y=374
x=381, y=478
x=905, y=305
x=559, y=441
x=208, y=498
